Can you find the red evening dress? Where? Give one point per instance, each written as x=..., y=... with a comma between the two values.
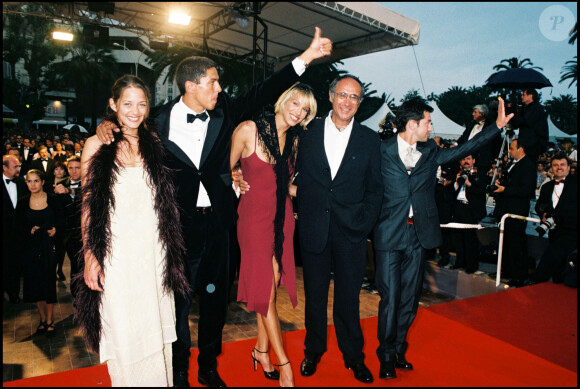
x=256, y=210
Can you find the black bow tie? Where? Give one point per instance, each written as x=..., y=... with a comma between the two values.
x=201, y=116
x=44, y=160
x=9, y=180
x=558, y=182
x=75, y=184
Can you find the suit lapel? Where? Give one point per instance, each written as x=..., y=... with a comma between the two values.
x=162, y=121
x=351, y=147
x=392, y=150
x=213, y=129
x=425, y=151
x=318, y=140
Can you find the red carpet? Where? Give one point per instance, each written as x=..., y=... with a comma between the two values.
x=511, y=338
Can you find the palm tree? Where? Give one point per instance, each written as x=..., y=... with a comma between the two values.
x=573, y=34
x=563, y=112
x=570, y=71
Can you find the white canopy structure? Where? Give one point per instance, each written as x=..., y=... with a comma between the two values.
x=443, y=126
x=555, y=132
x=374, y=121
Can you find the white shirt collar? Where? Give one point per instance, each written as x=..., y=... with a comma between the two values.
x=184, y=108
x=329, y=122
x=403, y=145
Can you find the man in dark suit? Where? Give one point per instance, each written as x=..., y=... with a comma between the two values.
x=338, y=197
x=513, y=196
x=468, y=208
x=70, y=192
x=13, y=188
x=558, y=200
x=486, y=154
x=533, y=125
x=27, y=155
x=409, y=223
x=196, y=129
x=44, y=163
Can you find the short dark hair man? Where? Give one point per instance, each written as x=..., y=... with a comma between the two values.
x=513, y=196
x=409, y=224
x=488, y=152
x=558, y=200
x=533, y=125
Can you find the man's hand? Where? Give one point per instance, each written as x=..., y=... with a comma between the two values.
x=60, y=189
x=500, y=188
x=239, y=182
x=319, y=47
x=51, y=232
x=502, y=120
x=105, y=132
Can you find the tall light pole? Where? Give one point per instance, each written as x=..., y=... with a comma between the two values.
x=132, y=55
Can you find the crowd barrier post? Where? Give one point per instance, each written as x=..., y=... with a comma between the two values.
x=500, y=248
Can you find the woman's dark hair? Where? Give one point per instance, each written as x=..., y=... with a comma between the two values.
x=61, y=165
x=122, y=83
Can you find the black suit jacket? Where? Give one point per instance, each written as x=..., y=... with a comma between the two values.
x=566, y=212
x=533, y=125
x=401, y=190
x=488, y=152
x=214, y=170
x=352, y=199
x=37, y=164
x=520, y=187
x=9, y=211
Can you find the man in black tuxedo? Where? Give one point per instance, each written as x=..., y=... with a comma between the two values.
x=27, y=155
x=513, y=196
x=196, y=129
x=71, y=194
x=44, y=163
x=468, y=208
x=409, y=223
x=338, y=196
x=486, y=154
x=533, y=125
x=558, y=200
x=13, y=188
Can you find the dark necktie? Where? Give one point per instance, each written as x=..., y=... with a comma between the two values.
x=201, y=116
x=9, y=180
x=559, y=182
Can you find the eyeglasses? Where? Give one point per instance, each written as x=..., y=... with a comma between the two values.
x=354, y=98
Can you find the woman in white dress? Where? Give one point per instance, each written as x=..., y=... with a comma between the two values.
x=132, y=246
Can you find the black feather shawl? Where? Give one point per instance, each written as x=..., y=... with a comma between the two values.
x=99, y=201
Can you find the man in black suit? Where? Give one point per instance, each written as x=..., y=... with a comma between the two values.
x=13, y=188
x=409, y=223
x=27, y=155
x=533, y=125
x=558, y=200
x=513, y=196
x=70, y=192
x=338, y=197
x=468, y=208
x=486, y=154
x=196, y=130
x=44, y=163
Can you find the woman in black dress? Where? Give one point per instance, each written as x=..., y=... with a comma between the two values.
x=59, y=154
x=39, y=217
x=60, y=177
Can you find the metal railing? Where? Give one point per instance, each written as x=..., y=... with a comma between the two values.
x=500, y=248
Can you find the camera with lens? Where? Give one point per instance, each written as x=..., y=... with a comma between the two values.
x=387, y=128
x=493, y=187
x=548, y=224
x=464, y=175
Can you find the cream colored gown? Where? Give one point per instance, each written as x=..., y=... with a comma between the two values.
x=138, y=317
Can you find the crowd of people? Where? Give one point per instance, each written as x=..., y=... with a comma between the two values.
x=145, y=209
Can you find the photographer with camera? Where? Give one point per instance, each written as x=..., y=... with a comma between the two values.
x=468, y=208
x=557, y=206
x=481, y=119
x=513, y=196
x=533, y=125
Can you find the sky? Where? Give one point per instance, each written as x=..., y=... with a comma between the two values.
x=460, y=43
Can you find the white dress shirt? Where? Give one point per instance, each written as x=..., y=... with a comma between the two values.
x=403, y=146
x=11, y=188
x=190, y=137
x=556, y=193
x=335, y=142
x=476, y=130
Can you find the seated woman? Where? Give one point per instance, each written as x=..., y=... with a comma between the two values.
x=59, y=154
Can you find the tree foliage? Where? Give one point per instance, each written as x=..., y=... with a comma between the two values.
x=563, y=112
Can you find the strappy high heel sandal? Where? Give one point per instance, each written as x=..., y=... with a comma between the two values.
x=271, y=375
x=41, y=329
x=284, y=364
x=50, y=334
